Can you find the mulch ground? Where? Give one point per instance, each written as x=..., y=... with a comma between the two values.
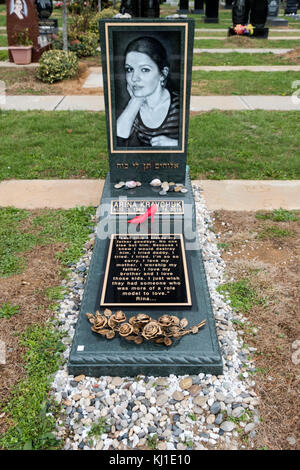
x=28, y=291
x=272, y=266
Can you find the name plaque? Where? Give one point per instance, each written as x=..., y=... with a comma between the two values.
x=48, y=26
x=131, y=207
x=146, y=270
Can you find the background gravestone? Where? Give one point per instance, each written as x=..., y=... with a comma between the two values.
x=250, y=11
x=44, y=8
x=211, y=11
x=228, y=4
x=198, y=7
x=27, y=19
x=273, y=11
x=291, y=7
x=183, y=7
x=141, y=8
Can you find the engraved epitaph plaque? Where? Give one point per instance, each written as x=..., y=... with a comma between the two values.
x=146, y=270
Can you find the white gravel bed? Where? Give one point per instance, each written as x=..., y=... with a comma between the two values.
x=169, y=413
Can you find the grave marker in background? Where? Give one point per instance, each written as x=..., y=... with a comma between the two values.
x=23, y=15
x=291, y=7
x=228, y=4
x=183, y=7
x=254, y=12
x=198, y=7
x=211, y=11
x=273, y=11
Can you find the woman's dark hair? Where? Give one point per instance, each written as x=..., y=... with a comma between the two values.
x=152, y=47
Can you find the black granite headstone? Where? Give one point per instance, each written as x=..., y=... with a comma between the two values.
x=150, y=9
x=211, y=11
x=94, y=355
x=146, y=151
x=198, y=7
x=291, y=7
x=273, y=11
x=258, y=13
x=141, y=8
x=154, y=267
x=44, y=8
x=228, y=4
x=183, y=7
x=250, y=11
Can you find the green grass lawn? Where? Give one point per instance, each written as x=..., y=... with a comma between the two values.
x=2, y=20
x=3, y=55
x=22, y=81
x=29, y=410
x=243, y=83
x=234, y=42
x=49, y=145
x=3, y=40
x=272, y=34
x=65, y=226
x=235, y=58
x=244, y=145
x=222, y=145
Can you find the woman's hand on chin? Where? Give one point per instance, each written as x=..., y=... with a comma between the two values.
x=136, y=99
x=163, y=141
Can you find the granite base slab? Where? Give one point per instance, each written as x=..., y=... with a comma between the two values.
x=93, y=355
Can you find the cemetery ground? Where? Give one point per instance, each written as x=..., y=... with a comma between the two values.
x=261, y=249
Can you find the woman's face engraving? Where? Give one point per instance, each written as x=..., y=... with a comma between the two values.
x=142, y=74
x=18, y=6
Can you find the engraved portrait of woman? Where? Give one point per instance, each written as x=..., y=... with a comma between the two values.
x=150, y=117
x=19, y=8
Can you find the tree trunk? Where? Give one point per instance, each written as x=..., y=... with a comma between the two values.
x=65, y=25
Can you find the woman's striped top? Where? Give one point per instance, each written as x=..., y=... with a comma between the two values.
x=141, y=135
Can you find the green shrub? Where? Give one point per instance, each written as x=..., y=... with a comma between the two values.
x=106, y=13
x=57, y=65
x=85, y=45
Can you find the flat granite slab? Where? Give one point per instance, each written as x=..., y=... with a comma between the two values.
x=93, y=355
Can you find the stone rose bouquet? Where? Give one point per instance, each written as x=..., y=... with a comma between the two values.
x=141, y=327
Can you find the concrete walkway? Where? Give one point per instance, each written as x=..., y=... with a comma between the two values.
x=252, y=50
x=238, y=195
x=198, y=103
x=95, y=78
x=270, y=38
x=248, y=68
x=210, y=50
